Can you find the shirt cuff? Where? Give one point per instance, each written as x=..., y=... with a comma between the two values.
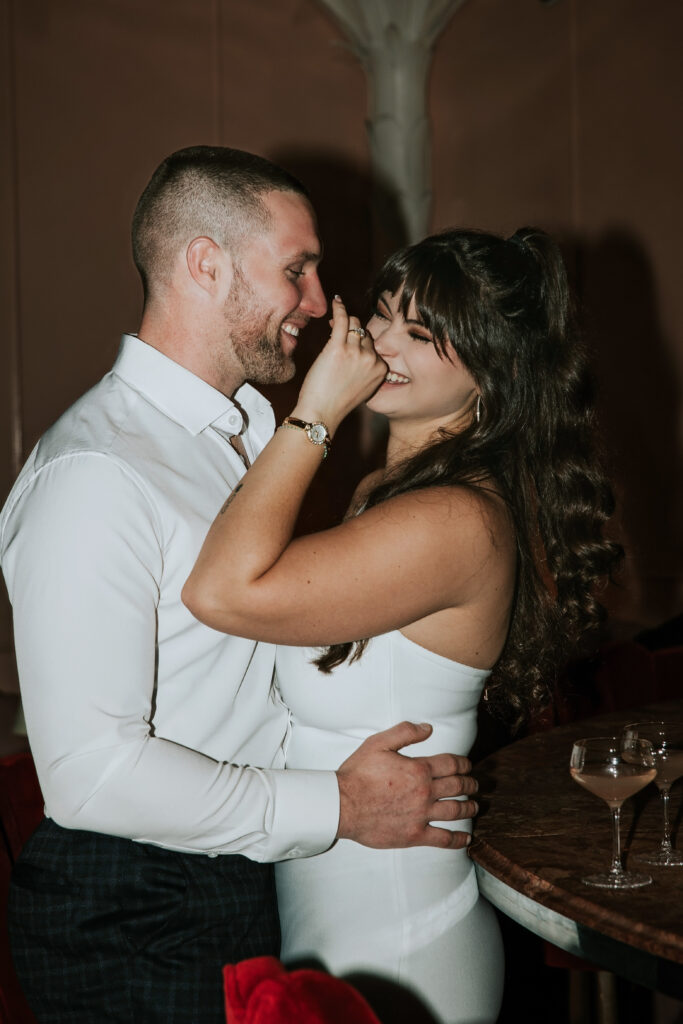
x=305, y=815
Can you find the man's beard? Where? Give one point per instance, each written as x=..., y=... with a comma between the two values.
x=255, y=337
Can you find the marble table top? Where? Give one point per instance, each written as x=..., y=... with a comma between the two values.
x=538, y=832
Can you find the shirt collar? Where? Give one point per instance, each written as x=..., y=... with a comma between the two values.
x=183, y=396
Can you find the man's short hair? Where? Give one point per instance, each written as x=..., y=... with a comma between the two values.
x=200, y=191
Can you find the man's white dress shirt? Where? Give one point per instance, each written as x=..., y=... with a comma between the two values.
x=144, y=723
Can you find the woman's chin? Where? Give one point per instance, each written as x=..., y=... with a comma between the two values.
x=379, y=408
x=384, y=399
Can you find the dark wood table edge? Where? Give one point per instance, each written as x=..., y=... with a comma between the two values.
x=660, y=967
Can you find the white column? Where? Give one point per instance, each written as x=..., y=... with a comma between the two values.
x=394, y=41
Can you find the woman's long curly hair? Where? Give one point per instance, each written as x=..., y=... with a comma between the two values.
x=504, y=307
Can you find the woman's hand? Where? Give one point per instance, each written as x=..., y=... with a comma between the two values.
x=346, y=373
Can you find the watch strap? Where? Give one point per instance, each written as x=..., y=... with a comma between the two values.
x=297, y=424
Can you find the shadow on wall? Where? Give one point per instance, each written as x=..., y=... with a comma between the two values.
x=346, y=200
x=640, y=410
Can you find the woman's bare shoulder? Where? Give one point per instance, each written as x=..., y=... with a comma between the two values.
x=477, y=519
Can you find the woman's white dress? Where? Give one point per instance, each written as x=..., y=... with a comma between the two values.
x=410, y=917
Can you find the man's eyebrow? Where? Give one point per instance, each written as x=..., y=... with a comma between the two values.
x=307, y=256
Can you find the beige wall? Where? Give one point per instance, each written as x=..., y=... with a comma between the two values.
x=566, y=116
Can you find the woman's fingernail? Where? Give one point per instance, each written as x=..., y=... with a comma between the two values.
x=337, y=298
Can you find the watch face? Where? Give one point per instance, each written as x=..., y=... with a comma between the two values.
x=317, y=433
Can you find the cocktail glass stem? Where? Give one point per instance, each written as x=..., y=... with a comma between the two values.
x=666, y=846
x=616, y=868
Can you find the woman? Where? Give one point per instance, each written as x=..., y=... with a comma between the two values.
x=469, y=560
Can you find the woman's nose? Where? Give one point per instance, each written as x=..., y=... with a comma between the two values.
x=384, y=343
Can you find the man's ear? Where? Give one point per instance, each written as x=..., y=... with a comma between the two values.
x=209, y=265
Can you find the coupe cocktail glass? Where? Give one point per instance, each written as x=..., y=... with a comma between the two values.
x=666, y=738
x=614, y=768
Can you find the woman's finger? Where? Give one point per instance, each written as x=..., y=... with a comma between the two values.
x=367, y=341
x=363, y=335
x=355, y=331
x=340, y=322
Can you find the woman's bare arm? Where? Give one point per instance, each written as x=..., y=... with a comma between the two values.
x=396, y=563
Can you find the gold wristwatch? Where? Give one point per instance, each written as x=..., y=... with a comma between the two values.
x=315, y=432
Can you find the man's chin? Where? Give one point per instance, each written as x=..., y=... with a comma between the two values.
x=280, y=374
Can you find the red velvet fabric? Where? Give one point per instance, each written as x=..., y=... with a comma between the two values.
x=21, y=802
x=21, y=809
x=261, y=991
x=4, y=1011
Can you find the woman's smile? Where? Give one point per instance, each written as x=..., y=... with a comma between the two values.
x=396, y=378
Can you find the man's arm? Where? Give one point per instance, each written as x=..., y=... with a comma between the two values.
x=83, y=555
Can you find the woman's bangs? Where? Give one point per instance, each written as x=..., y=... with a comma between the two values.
x=433, y=305
x=419, y=273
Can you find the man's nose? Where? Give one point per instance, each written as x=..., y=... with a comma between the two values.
x=313, y=299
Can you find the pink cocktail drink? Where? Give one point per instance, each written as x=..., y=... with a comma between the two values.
x=666, y=738
x=614, y=788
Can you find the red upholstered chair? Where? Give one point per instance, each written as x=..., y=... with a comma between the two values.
x=21, y=809
x=21, y=802
x=261, y=991
x=4, y=1011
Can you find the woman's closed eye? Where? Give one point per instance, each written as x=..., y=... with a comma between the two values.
x=425, y=338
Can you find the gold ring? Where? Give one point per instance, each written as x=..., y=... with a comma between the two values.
x=359, y=331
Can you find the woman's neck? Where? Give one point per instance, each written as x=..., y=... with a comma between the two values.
x=407, y=439
x=399, y=450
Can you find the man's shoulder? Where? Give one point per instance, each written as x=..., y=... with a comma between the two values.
x=91, y=424
x=111, y=419
x=103, y=423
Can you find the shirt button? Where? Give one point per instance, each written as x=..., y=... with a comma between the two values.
x=294, y=852
x=212, y=853
x=234, y=421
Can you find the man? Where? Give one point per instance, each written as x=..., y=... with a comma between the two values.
x=160, y=743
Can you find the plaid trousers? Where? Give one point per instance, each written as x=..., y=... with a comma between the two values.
x=107, y=930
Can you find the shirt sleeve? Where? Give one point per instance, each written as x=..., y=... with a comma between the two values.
x=83, y=559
